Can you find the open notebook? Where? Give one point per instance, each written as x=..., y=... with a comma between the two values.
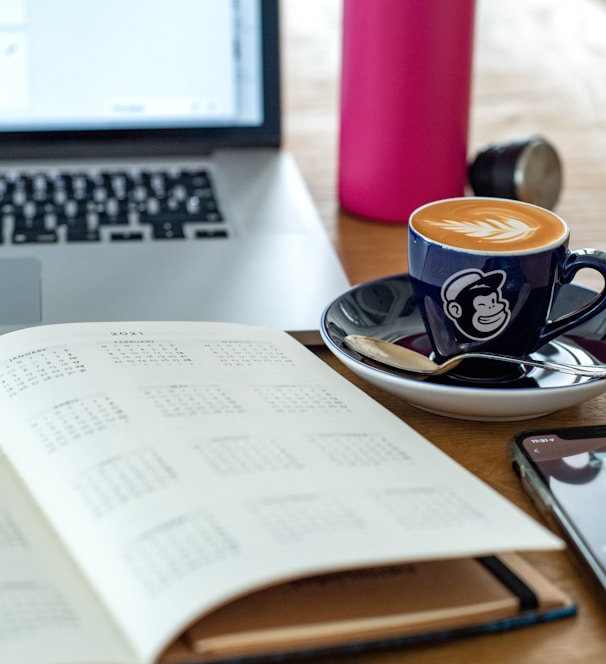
x=289, y=513
x=141, y=175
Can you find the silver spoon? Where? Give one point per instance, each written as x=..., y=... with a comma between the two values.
x=420, y=366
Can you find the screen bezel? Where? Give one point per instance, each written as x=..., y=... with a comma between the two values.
x=157, y=142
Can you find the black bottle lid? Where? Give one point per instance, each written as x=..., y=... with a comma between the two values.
x=527, y=170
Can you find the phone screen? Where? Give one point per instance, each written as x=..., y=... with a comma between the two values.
x=571, y=465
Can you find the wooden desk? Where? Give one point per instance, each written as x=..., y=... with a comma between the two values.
x=540, y=67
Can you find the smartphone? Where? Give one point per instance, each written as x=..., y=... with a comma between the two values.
x=564, y=472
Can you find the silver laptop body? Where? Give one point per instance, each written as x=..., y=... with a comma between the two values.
x=194, y=89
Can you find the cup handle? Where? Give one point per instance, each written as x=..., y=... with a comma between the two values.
x=580, y=259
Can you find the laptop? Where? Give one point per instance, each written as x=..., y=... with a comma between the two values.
x=141, y=173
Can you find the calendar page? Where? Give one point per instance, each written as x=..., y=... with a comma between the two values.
x=184, y=464
x=49, y=613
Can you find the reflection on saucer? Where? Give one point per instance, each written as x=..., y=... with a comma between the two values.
x=516, y=375
x=386, y=309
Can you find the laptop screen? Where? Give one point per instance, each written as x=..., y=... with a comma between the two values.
x=134, y=75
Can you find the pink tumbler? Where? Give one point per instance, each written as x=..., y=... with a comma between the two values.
x=405, y=96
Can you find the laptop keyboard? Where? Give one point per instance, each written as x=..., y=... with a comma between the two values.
x=131, y=206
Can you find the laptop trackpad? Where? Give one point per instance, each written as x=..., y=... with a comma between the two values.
x=20, y=291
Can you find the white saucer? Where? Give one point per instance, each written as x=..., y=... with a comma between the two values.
x=386, y=309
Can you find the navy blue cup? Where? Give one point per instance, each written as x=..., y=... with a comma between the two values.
x=495, y=293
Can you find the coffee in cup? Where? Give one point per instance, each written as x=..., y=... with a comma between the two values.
x=485, y=273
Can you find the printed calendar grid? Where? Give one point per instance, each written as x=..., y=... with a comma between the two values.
x=28, y=608
x=120, y=480
x=176, y=549
x=30, y=370
x=239, y=353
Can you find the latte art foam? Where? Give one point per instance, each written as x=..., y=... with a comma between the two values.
x=489, y=225
x=489, y=230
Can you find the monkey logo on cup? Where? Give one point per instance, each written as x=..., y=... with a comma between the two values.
x=473, y=300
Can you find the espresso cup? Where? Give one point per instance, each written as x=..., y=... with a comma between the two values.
x=485, y=273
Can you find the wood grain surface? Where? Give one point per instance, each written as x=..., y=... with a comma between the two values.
x=539, y=68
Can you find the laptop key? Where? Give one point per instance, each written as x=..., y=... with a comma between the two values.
x=37, y=235
x=205, y=234
x=169, y=217
x=83, y=235
x=126, y=236
x=167, y=230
